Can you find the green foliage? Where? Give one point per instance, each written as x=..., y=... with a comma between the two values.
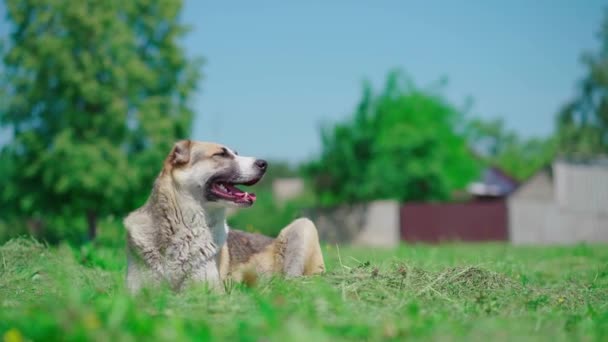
x=95, y=93
x=403, y=143
x=582, y=124
x=451, y=292
x=519, y=157
x=11, y=228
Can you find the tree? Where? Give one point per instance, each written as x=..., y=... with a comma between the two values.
x=403, y=143
x=95, y=93
x=582, y=124
x=497, y=146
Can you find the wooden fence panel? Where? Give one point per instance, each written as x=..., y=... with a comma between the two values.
x=470, y=221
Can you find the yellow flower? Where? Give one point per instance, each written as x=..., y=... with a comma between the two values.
x=91, y=322
x=13, y=335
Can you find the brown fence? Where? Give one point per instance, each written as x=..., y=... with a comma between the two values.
x=471, y=221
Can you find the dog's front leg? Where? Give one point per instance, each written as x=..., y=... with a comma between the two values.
x=148, y=253
x=207, y=272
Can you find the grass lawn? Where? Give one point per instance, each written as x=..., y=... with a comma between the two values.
x=449, y=292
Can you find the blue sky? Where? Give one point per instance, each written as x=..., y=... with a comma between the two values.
x=276, y=70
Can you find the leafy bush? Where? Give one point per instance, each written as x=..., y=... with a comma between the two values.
x=498, y=146
x=582, y=123
x=403, y=143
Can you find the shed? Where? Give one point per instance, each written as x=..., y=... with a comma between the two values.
x=562, y=204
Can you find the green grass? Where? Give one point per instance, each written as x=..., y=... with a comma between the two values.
x=448, y=292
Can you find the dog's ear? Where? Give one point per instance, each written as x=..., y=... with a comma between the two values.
x=180, y=154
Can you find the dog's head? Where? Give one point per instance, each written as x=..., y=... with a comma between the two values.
x=210, y=172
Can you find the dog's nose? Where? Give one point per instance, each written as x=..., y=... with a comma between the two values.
x=261, y=164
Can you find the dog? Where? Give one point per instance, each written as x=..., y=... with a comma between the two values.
x=180, y=234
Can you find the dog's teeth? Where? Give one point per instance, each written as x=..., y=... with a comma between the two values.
x=222, y=187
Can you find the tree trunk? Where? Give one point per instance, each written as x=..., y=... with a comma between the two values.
x=92, y=224
x=35, y=227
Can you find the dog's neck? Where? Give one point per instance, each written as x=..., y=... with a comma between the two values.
x=186, y=212
x=215, y=221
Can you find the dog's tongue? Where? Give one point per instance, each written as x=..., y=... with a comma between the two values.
x=241, y=195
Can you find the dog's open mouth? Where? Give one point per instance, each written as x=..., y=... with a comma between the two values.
x=228, y=191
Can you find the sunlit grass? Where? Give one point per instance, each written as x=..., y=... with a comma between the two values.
x=468, y=292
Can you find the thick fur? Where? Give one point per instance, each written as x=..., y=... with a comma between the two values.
x=180, y=234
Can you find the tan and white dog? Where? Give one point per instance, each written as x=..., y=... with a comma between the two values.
x=180, y=235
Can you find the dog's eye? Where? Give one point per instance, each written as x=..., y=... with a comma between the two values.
x=222, y=153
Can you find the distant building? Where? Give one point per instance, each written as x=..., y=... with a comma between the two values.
x=565, y=203
x=494, y=183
